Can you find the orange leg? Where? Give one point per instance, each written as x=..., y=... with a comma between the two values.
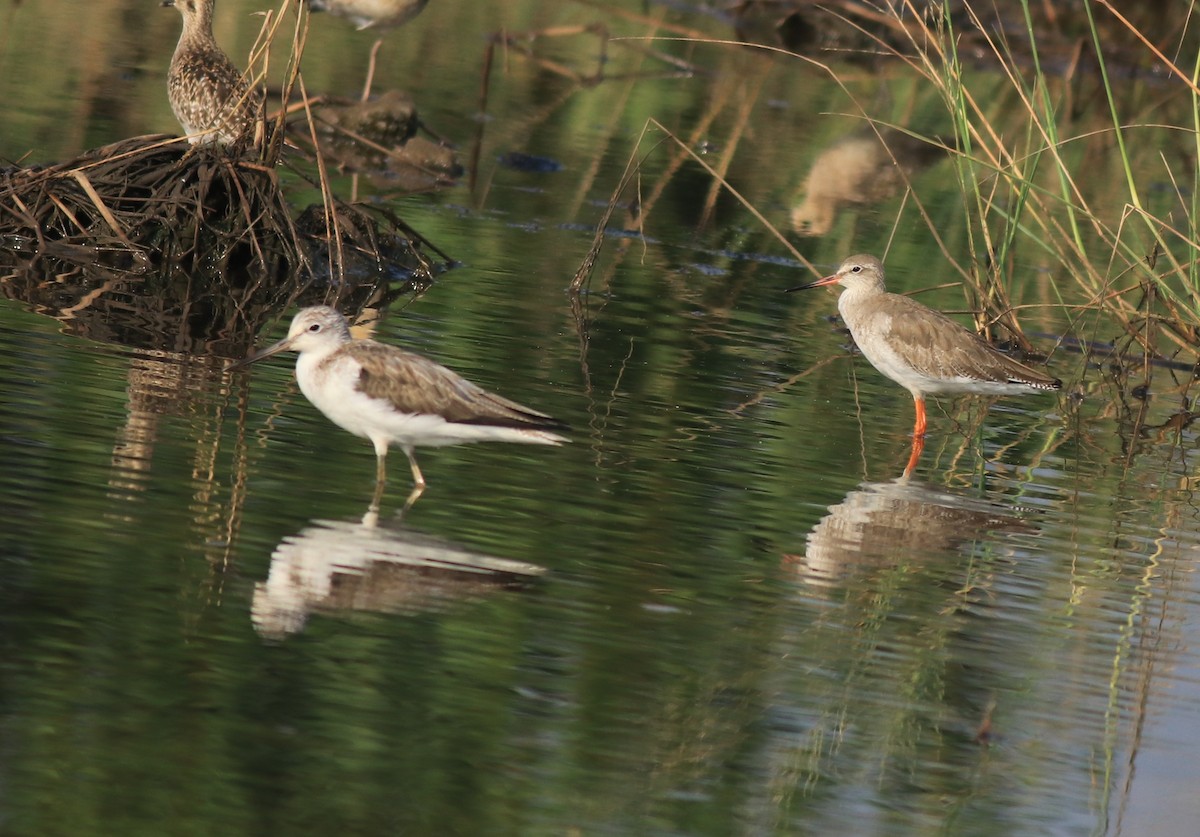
x=918, y=445
x=919, y=427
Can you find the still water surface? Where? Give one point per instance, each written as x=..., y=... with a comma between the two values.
x=720, y=610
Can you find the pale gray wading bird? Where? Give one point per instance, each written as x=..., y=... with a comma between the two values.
x=394, y=397
x=369, y=14
x=210, y=97
x=365, y=14
x=922, y=350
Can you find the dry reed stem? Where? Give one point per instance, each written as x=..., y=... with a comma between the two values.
x=746, y=103
x=331, y=226
x=631, y=167
x=584, y=272
x=90, y=191
x=750, y=207
x=1133, y=30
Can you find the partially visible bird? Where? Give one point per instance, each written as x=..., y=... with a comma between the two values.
x=394, y=397
x=923, y=350
x=365, y=14
x=210, y=97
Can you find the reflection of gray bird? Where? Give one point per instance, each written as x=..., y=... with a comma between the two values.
x=861, y=168
x=344, y=567
x=211, y=98
x=365, y=14
x=391, y=396
x=887, y=524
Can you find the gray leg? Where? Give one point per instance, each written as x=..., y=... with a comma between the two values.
x=418, y=481
x=380, y=479
x=418, y=478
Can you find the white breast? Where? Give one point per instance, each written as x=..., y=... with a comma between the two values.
x=332, y=386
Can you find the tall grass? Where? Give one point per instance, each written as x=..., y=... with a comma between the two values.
x=1115, y=257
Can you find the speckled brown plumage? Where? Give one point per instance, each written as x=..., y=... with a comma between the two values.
x=210, y=97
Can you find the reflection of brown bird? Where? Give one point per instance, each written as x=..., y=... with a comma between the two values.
x=923, y=350
x=365, y=14
x=796, y=27
x=211, y=98
x=861, y=168
x=391, y=396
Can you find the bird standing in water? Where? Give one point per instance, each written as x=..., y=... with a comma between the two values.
x=368, y=14
x=210, y=97
x=365, y=14
x=923, y=350
x=391, y=396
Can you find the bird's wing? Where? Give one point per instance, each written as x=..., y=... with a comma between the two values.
x=938, y=346
x=414, y=384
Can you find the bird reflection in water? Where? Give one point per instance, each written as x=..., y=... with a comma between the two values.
x=336, y=566
x=879, y=525
x=858, y=169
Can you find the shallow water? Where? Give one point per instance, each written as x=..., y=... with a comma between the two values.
x=719, y=610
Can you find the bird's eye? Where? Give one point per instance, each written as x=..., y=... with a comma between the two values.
x=856, y=269
x=314, y=328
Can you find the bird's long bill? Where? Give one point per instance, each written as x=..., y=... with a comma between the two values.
x=274, y=349
x=827, y=280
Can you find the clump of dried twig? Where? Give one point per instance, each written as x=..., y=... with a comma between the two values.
x=154, y=202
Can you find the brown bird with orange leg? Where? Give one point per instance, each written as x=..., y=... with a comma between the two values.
x=923, y=350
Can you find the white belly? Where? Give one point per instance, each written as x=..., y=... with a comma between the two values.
x=332, y=388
